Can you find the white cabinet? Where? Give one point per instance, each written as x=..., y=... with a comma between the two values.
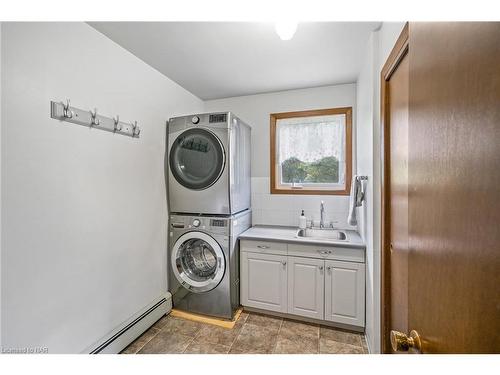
x=264, y=281
x=322, y=283
x=306, y=287
x=345, y=292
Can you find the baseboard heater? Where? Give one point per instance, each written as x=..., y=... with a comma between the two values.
x=122, y=337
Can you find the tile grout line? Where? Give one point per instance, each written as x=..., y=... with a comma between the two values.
x=238, y=335
x=142, y=346
x=277, y=335
x=187, y=346
x=319, y=338
x=192, y=340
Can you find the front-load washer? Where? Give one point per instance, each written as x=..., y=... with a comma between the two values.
x=203, y=262
x=207, y=164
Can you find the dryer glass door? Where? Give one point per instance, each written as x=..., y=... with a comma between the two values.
x=198, y=261
x=197, y=159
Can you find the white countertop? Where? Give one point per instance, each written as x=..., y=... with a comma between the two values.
x=289, y=234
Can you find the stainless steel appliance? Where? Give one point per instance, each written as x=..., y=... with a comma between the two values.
x=208, y=163
x=204, y=262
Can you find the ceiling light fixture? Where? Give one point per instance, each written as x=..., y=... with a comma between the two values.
x=285, y=29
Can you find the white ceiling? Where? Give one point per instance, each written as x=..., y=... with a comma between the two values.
x=224, y=59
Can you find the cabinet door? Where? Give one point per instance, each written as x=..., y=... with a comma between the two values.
x=264, y=281
x=345, y=292
x=306, y=287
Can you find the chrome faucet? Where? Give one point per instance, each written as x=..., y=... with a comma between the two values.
x=322, y=215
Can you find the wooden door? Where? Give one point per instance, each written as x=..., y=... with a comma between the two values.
x=345, y=292
x=264, y=281
x=306, y=283
x=452, y=263
x=395, y=283
x=454, y=207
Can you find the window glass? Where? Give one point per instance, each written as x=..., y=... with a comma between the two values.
x=311, y=151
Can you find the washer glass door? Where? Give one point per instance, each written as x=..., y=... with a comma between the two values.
x=196, y=159
x=198, y=261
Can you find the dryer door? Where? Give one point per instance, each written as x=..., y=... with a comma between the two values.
x=197, y=159
x=198, y=262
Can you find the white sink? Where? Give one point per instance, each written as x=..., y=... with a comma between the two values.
x=323, y=234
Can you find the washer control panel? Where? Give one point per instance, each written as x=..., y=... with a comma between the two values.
x=217, y=223
x=211, y=224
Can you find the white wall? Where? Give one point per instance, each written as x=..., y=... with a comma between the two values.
x=365, y=101
x=368, y=162
x=255, y=109
x=83, y=211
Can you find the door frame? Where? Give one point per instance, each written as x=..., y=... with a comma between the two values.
x=400, y=50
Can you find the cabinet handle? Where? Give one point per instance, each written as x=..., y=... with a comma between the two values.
x=283, y=263
x=262, y=247
x=329, y=268
x=325, y=252
x=320, y=268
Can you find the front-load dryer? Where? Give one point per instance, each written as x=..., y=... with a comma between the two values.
x=203, y=262
x=207, y=164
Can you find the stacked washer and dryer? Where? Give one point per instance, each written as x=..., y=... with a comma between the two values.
x=207, y=166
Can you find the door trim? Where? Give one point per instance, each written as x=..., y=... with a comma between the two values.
x=399, y=51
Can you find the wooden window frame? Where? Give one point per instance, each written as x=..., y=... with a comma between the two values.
x=347, y=111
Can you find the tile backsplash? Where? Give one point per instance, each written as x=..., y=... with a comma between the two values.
x=280, y=209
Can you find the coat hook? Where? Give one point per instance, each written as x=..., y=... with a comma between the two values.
x=135, y=129
x=67, y=113
x=118, y=126
x=93, y=118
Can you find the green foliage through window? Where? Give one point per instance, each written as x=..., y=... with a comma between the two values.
x=325, y=170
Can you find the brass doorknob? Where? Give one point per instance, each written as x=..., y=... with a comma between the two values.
x=401, y=342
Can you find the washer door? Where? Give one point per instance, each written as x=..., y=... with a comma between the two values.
x=197, y=159
x=198, y=262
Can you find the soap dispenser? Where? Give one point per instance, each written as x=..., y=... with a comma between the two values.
x=302, y=221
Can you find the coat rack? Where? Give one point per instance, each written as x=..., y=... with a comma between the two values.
x=64, y=112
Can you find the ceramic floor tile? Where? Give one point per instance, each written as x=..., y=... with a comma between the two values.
x=182, y=326
x=206, y=348
x=266, y=321
x=142, y=340
x=241, y=320
x=255, y=339
x=296, y=345
x=327, y=346
x=166, y=342
x=247, y=351
x=292, y=329
x=340, y=336
x=252, y=334
x=364, y=344
x=218, y=335
x=161, y=323
x=243, y=316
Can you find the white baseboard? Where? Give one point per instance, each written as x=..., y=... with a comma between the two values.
x=121, y=337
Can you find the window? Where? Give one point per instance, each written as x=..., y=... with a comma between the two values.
x=311, y=152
